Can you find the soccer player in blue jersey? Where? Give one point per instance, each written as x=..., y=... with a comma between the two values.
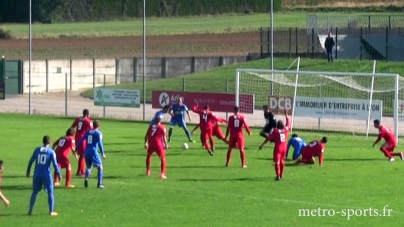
x=177, y=112
x=297, y=143
x=160, y=115
x=91, y=156
x=43, y=157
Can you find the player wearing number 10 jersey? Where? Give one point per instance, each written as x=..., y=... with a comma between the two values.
x=63, y=146
x=235, y=127
x=156, y=142
x=82, y=125
x=43, y=157
x=279, y=136
x=91, y=156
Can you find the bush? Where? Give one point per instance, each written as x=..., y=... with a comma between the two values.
x=5, y=34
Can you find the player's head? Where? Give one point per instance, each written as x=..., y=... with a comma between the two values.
x=157, y=120
x=1, y=166
x=376, y=123
x=86, y=113
x=70, y=132
x=96, y=124
x=206, y=107
x=166, y=108
x=280, y=124
x=324, y=140
x=265, y=108
x=236, y=110
x=294, y=135
x=180, y=100
x=46, y=140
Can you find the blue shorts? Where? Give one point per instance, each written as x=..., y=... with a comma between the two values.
x=45, y=182
x=92, y=160
x=178, y=121
x=297, y=153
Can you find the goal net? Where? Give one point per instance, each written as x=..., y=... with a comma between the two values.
x=325, y=101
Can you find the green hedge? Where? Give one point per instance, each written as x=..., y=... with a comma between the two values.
x=50, y=11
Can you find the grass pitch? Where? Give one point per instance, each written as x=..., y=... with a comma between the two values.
x=199, y=190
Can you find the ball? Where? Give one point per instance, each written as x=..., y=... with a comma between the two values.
x=185, y=146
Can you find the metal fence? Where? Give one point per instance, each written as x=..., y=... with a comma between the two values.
x=293, y=42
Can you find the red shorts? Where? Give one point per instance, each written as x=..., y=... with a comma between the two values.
x=279, y=156
x=205, y=134
x=217, y=131
x=80, y=150
x=63, y=162
x=307, y=154
x=390, y=146
x=158, y=150
x=236, y=142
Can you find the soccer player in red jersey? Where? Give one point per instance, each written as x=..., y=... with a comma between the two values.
x=82, y=125
x=390, y=141
x=206, y=119
x=2, y=197
x=216, y=129
x=235, y=127
x=313, y=149
x=156, y=142
x=62, y=148
x=279, y=136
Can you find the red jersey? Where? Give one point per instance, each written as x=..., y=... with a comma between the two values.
x=206, y=118
x=82, y=125
x=218, y=120
x=64, y=144
x=280, y=137
x=386, y=134
x=235, y=126
x=156, y=136
x=313, y=149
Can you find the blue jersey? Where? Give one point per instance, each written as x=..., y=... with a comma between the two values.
x=160, y=115
x=94, y=141
x=43, y=158
x=297, y=143
x=179, y=110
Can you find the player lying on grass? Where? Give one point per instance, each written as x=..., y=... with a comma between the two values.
x=160, y=114
x=2, y=197
x=390, y=141
x=63, y=146
x=206, y=119
x=270, y=122
x=297, y=143
x=91, y=156
x=81, y=126
x=44, y=157
x=177, y=112
x=156, y=142
x=216, y=130
x=235, y=126
x=279, y=137
x=314, y=149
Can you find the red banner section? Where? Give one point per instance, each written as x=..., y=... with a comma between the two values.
x=218, y=102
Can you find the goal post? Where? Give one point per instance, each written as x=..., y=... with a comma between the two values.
x=325, y=101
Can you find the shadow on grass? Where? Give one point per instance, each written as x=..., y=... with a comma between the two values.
x=123, y=143
x=16, y=187
x=119, y=177
x=14, y=177
x=232, y=179
x=22, y=214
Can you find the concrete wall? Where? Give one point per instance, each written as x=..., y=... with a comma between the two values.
x=55, y=75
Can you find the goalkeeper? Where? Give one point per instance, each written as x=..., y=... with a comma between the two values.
x=270, y=122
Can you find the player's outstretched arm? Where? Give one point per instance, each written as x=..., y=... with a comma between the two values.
x=321, y=158
x=30, y=162
x=55, y=165
x=145, y=138
x=101, y=146
x=4, y=199
x=247, y=128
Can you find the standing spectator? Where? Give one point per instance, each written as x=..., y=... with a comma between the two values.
x=329, y=44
